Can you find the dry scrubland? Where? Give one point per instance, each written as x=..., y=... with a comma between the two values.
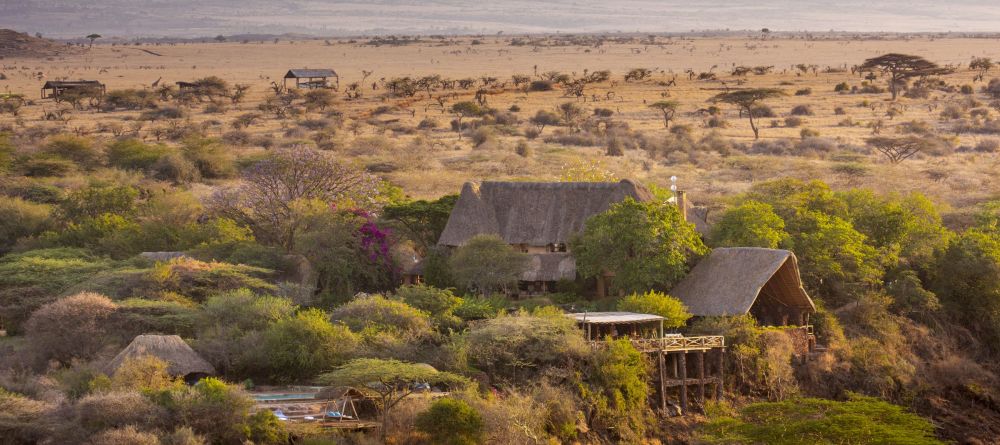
x=380, y=131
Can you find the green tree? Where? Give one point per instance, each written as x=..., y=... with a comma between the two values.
x=521, y=347
x=486, y=263
x=835, y=259
x=462, y=110
x=747, y=101
x=92, y=38
x=751, y=224
x=645, y=245
x=617, y=390
x=389, y=381
x=657, y=303
x=966, y=278
x=422, y=221
x=301, y=347
x=451, y=421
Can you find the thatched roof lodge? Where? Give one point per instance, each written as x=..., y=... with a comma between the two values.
x=734, y=281
x=539, y=218
x=182, y=361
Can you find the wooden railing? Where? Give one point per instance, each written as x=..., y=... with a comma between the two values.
x=675, y=343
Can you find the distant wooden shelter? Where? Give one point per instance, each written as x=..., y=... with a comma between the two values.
x=311, y=78
x=53, y=89
x=181, y=360
x=683, y=363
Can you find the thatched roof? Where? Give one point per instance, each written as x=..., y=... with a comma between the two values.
x=180, y=358
x=72, y=84
x=550, y=267
x=532, y=213
x=730, y=280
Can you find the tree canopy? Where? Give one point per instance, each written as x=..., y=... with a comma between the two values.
x=747, y=100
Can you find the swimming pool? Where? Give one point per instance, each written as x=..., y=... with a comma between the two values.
x=281, y=397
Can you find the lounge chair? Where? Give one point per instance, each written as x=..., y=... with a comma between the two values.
x=280, y=415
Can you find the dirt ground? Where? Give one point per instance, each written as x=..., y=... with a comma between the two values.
x=428, y=163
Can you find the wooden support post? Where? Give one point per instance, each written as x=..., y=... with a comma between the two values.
x=701, y=377
x=722, y=374
x=663, y=379
x=684, y=387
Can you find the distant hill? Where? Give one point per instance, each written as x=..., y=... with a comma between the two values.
x=15, y=44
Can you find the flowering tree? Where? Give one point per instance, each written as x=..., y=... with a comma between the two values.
x=274, y=199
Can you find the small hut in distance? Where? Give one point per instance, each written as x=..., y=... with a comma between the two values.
x=310, y=78
x=53, y=89
x=181, y=360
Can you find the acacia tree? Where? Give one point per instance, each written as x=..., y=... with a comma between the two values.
x=463, y=110
x=982, y=65
x=901, y=67
x=390, y=381
x=897, y=149
x=668, y=108
x=92, y=38
x=275, y=190
x=747, y=100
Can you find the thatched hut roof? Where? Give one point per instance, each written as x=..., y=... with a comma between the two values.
x=532, y=213
x=730, y=280
x=306, y=73
x=180, y=358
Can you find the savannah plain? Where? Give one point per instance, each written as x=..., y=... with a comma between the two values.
x=380, y=130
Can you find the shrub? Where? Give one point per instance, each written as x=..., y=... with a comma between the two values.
x=45, y=167
x=717, y=122
x=804, y=92
x=523, y=149
x=19, y=219
x=802, y=110
x=75, y=327
x=214, y=409
x=617, y=391
x=657, y=303
x=807, y=133
x=375, y=313
x=132, y=154
x=24, y=420
x=301, y=347
x=842, y=87
x=541, y=85
x=800, y=421
x=210, y=157
x=517, y=348
x=79, y=150
x=763, y=111
x=793, y=121
x=432, y=300
x=101, y=411
x=988, y=146
x=451, y=421
x=127, y=435
x=967, y=89
x=143, y=373
x=485, y=263
x=176, y=168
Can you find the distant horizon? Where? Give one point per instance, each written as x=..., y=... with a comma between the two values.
x=66, y=19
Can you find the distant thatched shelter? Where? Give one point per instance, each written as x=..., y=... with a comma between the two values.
x=182, y=361
x=734, y=281
x=53, y=89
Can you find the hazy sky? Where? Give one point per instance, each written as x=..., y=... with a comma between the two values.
x=72, y=18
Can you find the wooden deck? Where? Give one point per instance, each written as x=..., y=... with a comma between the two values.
x=675, y=343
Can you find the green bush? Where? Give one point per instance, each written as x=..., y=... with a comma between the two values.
x=82, y=151
x=517, y=348
x=46, y=167
x=132, y=154
x=377, y=314
x=451, y=422
x=751, y=224
x=487, y=264
x=617, y=391
x=19, y=219
x=301, y=347
x=94, y=201
x=75, y=327
x=657, y=303
x=210, y=157
x=817, y=421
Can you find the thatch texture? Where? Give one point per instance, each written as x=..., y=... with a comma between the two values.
x=309, y=73
x=730, y=280
x=180, y=358
x=532, y=213
x=550, y=267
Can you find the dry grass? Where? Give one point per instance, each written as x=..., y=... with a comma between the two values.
x=431, y=162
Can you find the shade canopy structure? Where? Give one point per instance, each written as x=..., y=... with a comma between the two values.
x=310, y=78
x=598, y=325
x=56, y=88
x=742, y=280
x=181, y=360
